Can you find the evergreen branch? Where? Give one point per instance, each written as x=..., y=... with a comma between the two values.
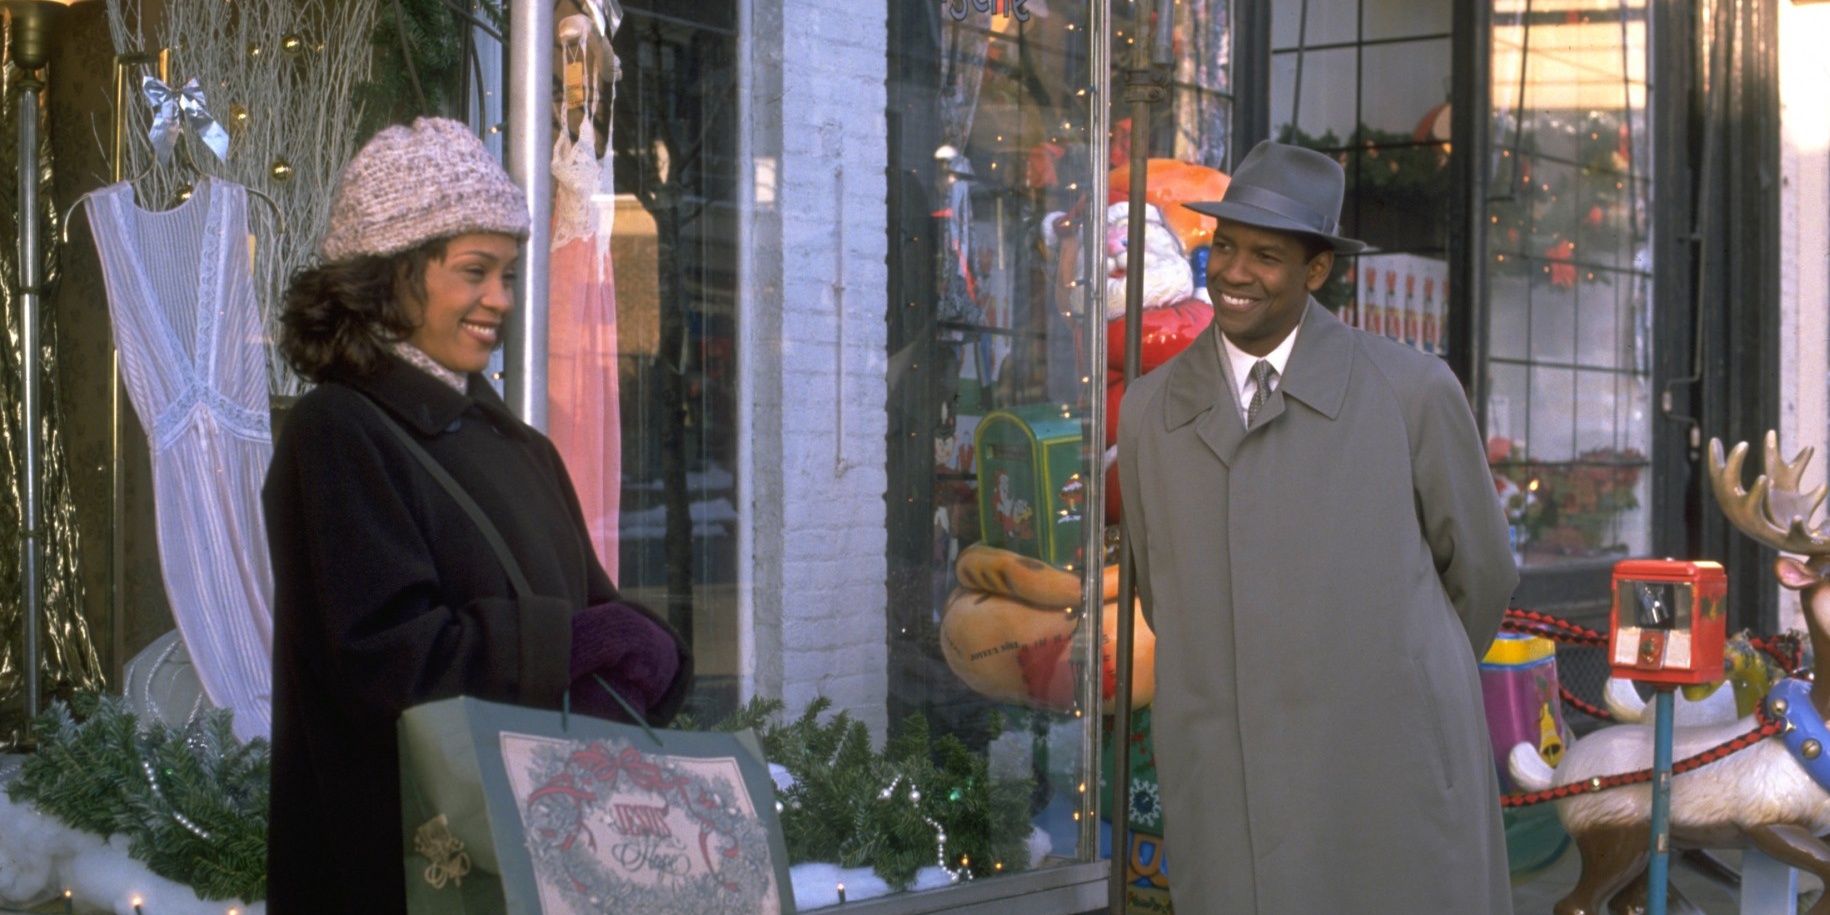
x=192, y=803
x=406, y=54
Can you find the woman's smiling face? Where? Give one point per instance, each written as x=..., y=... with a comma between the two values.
x=468, y=295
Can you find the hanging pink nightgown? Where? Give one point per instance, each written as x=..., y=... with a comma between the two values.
x=583, y=416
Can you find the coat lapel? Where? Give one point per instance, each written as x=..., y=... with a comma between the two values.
x=1197, y=393
x=1316, y=375
x=1319, y=366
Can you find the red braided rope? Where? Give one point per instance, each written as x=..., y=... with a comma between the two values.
x=1785, y=649
x=1531, y=622
x=1584, y=706
x=1766, y=727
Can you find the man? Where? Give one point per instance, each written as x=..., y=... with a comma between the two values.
x=1322, y=558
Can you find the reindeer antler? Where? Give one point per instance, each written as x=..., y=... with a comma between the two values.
x=1774, y=512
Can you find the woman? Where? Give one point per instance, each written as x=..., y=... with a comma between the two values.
x=387, y=593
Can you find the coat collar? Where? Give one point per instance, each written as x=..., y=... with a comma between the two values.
x=428, y=405
x=1316, y=375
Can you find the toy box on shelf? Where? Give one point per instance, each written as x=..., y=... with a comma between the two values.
x=1032, y=482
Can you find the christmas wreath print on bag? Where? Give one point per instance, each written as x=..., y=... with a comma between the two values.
x=612, y=828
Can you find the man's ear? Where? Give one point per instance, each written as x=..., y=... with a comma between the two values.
x=1317, y=270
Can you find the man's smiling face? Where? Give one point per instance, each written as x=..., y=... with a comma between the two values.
x=1260, y=279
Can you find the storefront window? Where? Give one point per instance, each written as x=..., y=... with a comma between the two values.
x=990, y=394
x=1368, y=82
x=1195, y=126
x=1570, y=278
x=848, y=338
x=672, y=248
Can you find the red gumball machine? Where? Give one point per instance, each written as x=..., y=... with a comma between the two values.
x=1669, y=624
x=1668, y=630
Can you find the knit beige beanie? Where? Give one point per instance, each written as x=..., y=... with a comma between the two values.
x=411, y=185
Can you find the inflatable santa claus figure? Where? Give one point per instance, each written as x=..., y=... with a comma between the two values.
x=1175, y=312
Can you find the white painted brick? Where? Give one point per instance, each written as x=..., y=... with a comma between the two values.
x=828, y=531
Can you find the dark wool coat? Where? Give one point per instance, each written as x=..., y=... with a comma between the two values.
x=1320, y=585
x=387, y=596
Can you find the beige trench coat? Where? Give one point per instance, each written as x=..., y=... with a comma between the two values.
x=1321, y=586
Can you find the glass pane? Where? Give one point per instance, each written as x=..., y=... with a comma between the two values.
x=1569, y=274
x=1404, y=92
x=1552, y=309
x=1656, y=604
x=844, y=342
x=1201, y=95
x=1313, y=22
x=1509, y=329
x=1597, y=419
x=1398, y=198
x=1601, y=340
x=1325, y=114
x=1405, y=18
x=1507, y=399
x=641, y=373
x=1551, y=415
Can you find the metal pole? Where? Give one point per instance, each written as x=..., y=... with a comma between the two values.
x=1146, y=83
x=30, y=547
x=117, y=394
x=1661, y=804
x=530, y=146
x=1088, y=300
x=117, y=482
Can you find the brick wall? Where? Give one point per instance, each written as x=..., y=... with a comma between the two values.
x=818, y=343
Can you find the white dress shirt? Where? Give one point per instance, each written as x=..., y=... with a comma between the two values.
x=1238, y=364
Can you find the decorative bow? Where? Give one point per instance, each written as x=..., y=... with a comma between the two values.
x=449, y=862
x=172, y=110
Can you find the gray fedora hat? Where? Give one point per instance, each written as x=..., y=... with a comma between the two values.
x=1288, y=188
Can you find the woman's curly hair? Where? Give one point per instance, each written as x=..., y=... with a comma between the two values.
x=340, y=318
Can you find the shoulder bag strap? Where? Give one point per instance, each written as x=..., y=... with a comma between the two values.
x=516, y=580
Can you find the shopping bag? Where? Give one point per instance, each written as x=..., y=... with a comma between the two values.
x=514, y=810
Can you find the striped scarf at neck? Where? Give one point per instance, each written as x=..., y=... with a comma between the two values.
x=418, y=359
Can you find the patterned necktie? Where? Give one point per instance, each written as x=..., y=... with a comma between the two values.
x=1261, y=381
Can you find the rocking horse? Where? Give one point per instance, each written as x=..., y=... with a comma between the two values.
x=1771, y=795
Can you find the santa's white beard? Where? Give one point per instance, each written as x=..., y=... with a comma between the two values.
x=1167, y=277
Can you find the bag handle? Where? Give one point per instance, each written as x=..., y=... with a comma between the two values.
x=516, y=579
x=641, y=721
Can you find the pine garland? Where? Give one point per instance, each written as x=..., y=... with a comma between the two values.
x=422, y=50
x=889, y=811
x=192, y=802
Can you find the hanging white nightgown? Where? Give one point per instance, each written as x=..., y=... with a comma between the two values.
x=193, y=357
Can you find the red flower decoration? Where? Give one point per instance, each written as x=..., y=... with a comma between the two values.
x=1562, y=272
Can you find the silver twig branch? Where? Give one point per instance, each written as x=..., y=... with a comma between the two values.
x=281, y=75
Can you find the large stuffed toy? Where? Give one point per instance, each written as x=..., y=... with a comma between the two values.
x=1008, y=632
x=1176, y=308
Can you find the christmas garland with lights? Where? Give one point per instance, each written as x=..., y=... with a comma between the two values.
x=920, y=802
x=192, y=801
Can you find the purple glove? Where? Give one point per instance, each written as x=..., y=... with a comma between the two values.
x=638, y=657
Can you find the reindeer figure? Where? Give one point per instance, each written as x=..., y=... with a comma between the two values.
x=1762, y=796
